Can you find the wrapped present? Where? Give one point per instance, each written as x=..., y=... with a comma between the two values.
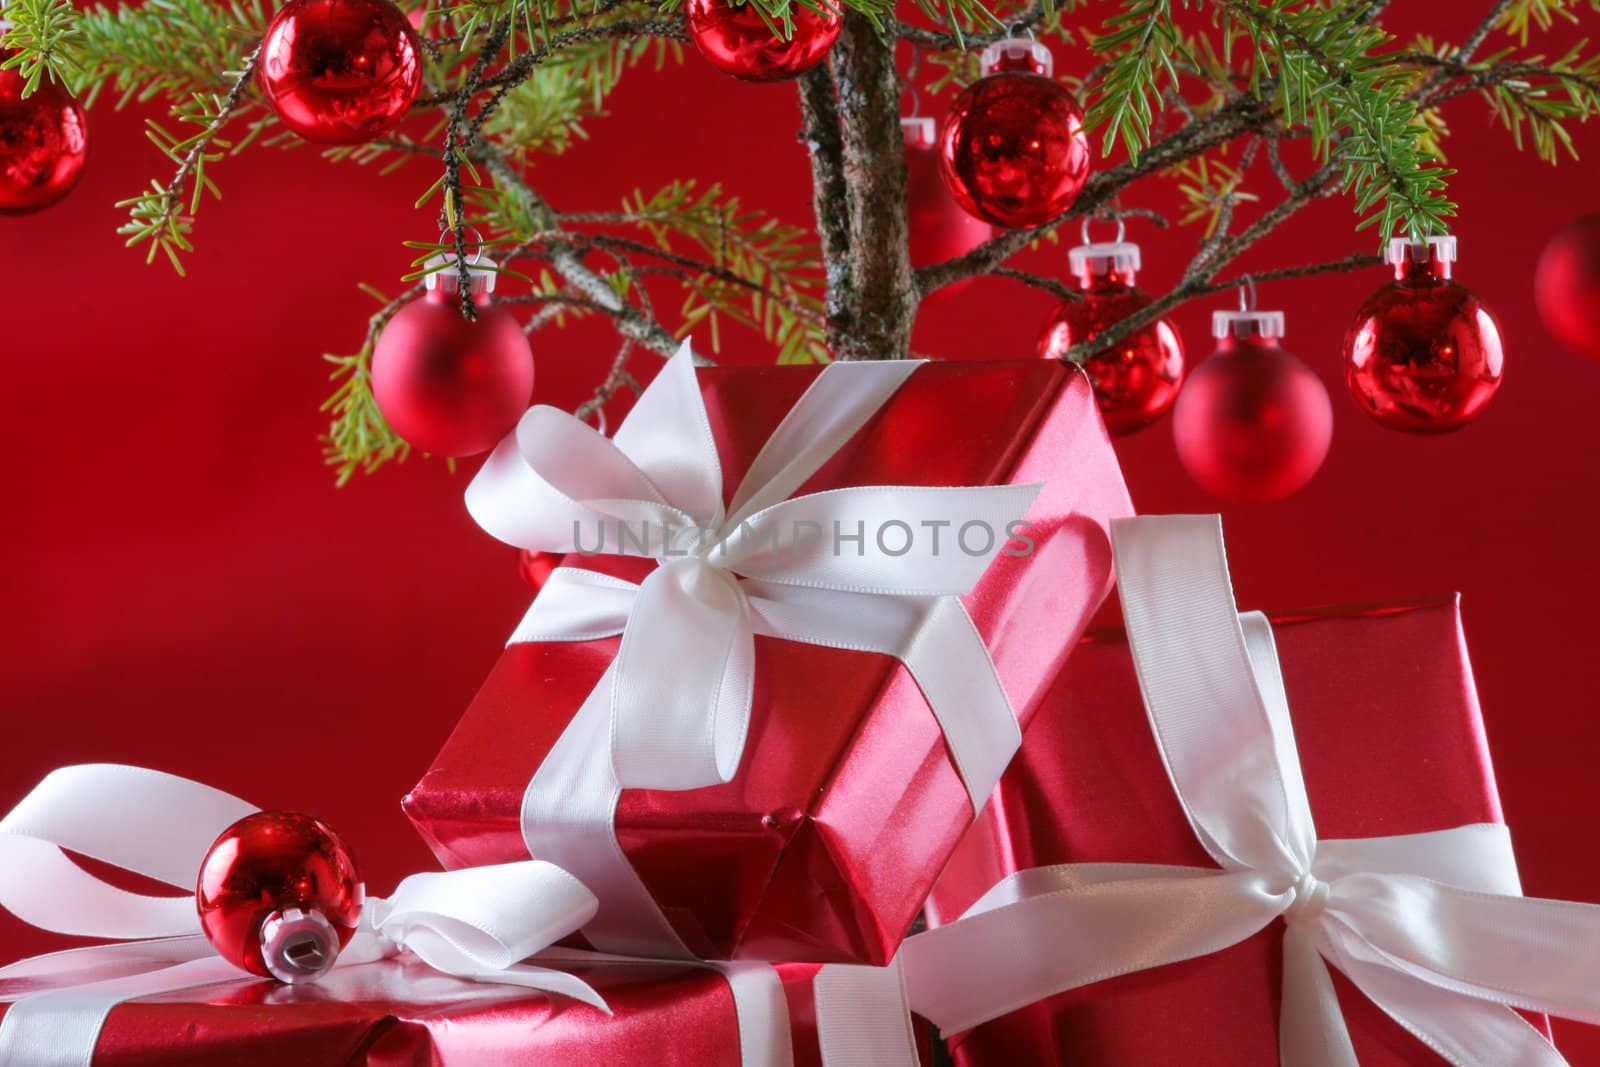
x=401, y=1013
x=802, y=613
x=1120, y=901
x=452, y=968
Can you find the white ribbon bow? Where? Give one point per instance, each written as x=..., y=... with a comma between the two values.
x=477, y=923
x=673, y=709
x=1430, y=926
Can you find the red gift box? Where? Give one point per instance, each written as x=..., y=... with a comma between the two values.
x=402, y=1013
x=846, y=804
x=1391, y=740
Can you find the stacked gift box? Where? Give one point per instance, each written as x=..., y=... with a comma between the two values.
x=755, y=886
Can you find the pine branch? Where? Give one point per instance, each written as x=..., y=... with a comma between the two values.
x=157, y=217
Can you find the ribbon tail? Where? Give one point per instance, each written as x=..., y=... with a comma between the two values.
x=568, y=818
x=96, y=963
x=988, y=964
x=1311, y=1027
x=1464, y=1030
x=680, y=697
x=539, y=979
x=1523, y=952
x=864, y=1017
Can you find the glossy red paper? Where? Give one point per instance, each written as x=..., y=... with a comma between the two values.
x=1387, y=721
x=846, y=804
x=402, y=1013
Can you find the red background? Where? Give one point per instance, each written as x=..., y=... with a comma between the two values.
x=184, y=588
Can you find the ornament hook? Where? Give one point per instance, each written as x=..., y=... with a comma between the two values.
x=1122, y=229
x=916, y=100
x=1017, y=29
x=473, y=240
x=1247, y=293
x=597, y=415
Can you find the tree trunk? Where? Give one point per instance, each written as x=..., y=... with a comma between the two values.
x=852, y=127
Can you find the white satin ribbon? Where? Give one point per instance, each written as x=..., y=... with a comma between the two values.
x=1430, y=926
x=673, y=710
x=478, y=923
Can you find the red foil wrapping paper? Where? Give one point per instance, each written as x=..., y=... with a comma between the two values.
x=846, y=804
x=402, y=1013
x=1390, y=736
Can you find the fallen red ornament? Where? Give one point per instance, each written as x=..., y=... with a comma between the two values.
x=1253, y=423
x=1424, y=353
x=1012, y=146
x=279, y=895
x=340, y=71
x=44, y=142
x=1137, y=379
x=1566, y=286
x=450, y=385
x=738, y=39
x=939, y=227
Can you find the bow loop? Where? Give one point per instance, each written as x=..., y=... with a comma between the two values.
x=1225, y=755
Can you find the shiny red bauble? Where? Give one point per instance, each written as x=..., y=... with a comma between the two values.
x=1136, y=380
x=446, y=384
x=1012, y=147
x=279, y=895
x=1253, y=423
x=1566, y=286
x=44, y=141
x=737, y=40
x=1423, y=353
x=535, y=567
x=939, y=227
x=340, y=71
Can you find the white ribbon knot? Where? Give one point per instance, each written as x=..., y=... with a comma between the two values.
x=1431, y=927
x=679, y=692
x=1310, y=899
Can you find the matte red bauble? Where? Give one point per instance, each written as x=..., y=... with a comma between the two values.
x=940, y=228
x=279, y=895
x=535, y=567
x=1423, y=354
x=446, y=384
x=1012, y=147
x=738, y=41
x=1253, y=423
x=340, y=71
x=1137, y=379
x=1566, y=286
x=44, y=141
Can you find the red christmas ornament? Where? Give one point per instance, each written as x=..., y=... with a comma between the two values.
x=940, y=228
x=44, y=141
x=280, y=895
x=1138, y=378
x=1012, y=147
x=1566, y=286
x=737, y=40
x=340, y=71
x=1424, y=353
x=1253, y=423
x=450, y=385
x=535, y=567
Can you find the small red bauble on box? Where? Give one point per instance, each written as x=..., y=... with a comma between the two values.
x=814, y=677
